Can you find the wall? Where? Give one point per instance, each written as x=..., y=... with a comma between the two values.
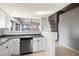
x=69, y=29
x=2, y=19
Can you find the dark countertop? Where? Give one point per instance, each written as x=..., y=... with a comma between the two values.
x=21, y=36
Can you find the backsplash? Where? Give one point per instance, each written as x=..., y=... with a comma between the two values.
x=25, y=25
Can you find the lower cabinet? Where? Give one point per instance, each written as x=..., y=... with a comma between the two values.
x=35, y=44
x=4, y=50
x=38, y=44
x=41, y=43
x=10, y=47
x=15, y=47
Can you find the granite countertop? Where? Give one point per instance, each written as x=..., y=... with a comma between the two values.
x=3, y=37
x=21, y=36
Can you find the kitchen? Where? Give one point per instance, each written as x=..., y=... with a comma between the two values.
x=23, y=32
x=19, y=31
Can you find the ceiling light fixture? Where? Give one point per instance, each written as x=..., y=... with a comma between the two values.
x=43, y=12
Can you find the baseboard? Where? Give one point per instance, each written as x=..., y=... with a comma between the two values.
x=68, y=47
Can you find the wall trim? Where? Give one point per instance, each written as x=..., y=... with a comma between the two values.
x=68, y=47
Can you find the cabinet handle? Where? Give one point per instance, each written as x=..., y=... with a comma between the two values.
x=6, y=46
x=38, y=40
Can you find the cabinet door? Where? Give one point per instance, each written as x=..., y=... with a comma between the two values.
x=11, y=47
x=5, y=49
x=15, y=47
x=41, y=43
x=35, y=44
x=38, y=44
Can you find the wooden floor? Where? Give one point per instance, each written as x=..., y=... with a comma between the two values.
x=62, y=51
x=40, y=53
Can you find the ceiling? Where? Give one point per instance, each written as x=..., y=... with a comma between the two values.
x=35, y=10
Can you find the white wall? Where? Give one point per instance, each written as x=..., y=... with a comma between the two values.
x=50, y=37
x=69, y=29
x=2, y=19
x=5, y=23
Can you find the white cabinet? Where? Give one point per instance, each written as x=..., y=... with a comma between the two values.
x=5, y=49
x=11, y=47
x=41, y=43
x=35, y=44
x=15, y=47
x=38, y=44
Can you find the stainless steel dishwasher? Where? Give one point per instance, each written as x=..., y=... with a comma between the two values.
x=26, y=45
